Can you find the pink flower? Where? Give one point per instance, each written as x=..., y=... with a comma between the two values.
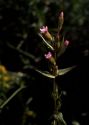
x=45, y=33
x=66, y=42
x=48, y=55
x=44, y=29
x=62, y=15
x=61, y=20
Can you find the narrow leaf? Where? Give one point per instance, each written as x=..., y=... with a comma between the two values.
x=48, y=45
x=44, y=73
x=66, y=70
x=47, y=74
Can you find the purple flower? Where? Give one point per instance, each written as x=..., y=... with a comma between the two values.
x=62, y=15
x=66, y=42
x=44, y=29
x=45, y=33
x=48, y=55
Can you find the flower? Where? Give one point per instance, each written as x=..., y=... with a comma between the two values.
x=50, y=58
x=66, y=42
x=62, y=15
x=44, y=29
x=61, y=20
x=48, y=55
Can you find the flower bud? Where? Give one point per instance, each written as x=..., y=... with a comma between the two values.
x=62, y=16
x=44, y=31
x=61, y=20
x=66, y=42
x=50, y=57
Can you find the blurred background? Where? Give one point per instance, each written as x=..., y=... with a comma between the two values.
x=20, y=21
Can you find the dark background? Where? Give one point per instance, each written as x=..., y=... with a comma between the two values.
x=20, y=21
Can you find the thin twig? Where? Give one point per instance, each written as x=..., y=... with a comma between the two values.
x=22, y=52
x=11, y=97
x=20, y=44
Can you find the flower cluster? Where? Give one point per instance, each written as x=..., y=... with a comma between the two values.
x=58, y=44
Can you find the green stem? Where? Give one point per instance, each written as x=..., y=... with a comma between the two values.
x=11, y=97
x=23, y=52
x=55, y=95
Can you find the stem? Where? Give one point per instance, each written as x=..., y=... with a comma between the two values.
x=54, y=93
x=11, y=97
x=23, y=52
x=24, y=117
x=56, y=96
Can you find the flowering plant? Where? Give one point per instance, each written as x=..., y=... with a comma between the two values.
x=55, y=47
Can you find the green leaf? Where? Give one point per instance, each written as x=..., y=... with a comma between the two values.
x=44, y=73
x=47, y=74
x=48, y=45
x=66, y=70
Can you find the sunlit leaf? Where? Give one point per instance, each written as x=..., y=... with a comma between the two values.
x=66, y=70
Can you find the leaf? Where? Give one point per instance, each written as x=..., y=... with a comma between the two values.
x=48, y=45
x=66, y=70
x=44, y=73
x=47, y=74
